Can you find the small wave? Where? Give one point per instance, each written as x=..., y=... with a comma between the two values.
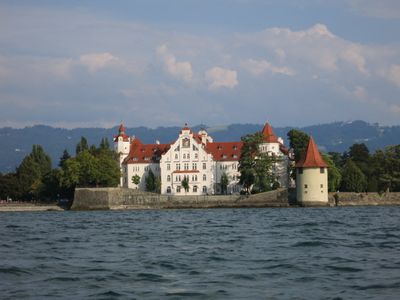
x=344, y=269
x=62, y=279
x=378, y=286
x=186, y=294
x=13, y=271
x=309, y=244
x=151, y=277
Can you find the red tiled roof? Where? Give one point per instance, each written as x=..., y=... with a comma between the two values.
x=269, y=135
x=149, y=153
x=225, y=151
x=121, y=133
x=312, y=158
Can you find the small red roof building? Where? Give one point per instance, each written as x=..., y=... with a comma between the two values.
x=269, y=135
x=312, y=158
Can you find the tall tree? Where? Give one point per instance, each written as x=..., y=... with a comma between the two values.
x=82, y=146
x=150, y=181
x=224, y=183
x=64, y=157
x=334, y=175
x=353, y=179
x=254, y=165
x=298, y=141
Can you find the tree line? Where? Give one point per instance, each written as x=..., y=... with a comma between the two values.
x=36, y=180
x=356, y=170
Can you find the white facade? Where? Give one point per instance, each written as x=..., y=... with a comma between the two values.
x=188, y=159
x=312, y=185
x=194, y=157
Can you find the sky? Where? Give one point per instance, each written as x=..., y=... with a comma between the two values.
x=160, y=63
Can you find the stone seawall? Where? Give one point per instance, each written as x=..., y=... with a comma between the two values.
x=352, y=199
x=122, y=198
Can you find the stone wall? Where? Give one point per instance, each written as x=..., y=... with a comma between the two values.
x=122, y=198
x=351, y=199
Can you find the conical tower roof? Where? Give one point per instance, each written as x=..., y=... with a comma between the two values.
x=269, y=135
x=312, y=157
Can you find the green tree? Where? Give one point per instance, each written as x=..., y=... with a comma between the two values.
x=89, y=173
x=64, y=157
x=353, y=179
x=298, y=141
x=31, y=172
x=136, y=179
x=185, y=183
x=69, y=177
x=9, y=186
x=334, y=175
x=224, y=183
x=108, y=170
x=150, y=181
x=254, y=166
x=82, y=146
x=387, y=168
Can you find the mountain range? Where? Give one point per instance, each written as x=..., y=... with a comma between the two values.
x=331, y=137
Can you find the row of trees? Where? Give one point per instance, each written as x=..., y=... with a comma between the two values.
x=35, y=179
x=356, y=170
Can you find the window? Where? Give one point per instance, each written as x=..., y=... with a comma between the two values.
x=322, y=170
x=204, y=166
x=178, y=189
x=184, y=156
x=322, y=186
x=168, y=167
x=196, y=156
x=300, y=170
x=186, y=166
x=194, y=166
x=305, y=186
x=195, y=189
x=204, y=177
x=188, y=156
x=169, y=190
x=146, y=168
x=204, y=189
x=176, y=155
x=178, y=166
x=169, y=178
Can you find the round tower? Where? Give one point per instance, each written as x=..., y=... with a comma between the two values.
x=312, y=177
x=122, y=146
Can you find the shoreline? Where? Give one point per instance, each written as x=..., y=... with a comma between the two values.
x=18, y=207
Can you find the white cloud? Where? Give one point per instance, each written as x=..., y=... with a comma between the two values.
x=97, y=61
x=219, y=77
x=393, y=74
x=181, y=70
x=258, y=67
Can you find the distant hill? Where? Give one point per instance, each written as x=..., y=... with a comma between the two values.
x=16, y=143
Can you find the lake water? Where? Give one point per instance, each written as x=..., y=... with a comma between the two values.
x=294, y=253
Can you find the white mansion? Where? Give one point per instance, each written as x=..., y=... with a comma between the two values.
x=194, y=156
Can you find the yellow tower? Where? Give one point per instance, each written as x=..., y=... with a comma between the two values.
x=312, y=177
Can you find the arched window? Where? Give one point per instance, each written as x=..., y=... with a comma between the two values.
x=169, y=190
x=204, y=189
x=169, y=178
x=195, y=189
x=204, y=177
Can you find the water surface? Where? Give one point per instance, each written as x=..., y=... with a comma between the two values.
x=295, y=253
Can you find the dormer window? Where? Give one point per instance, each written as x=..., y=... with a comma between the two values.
x=224, y=156
x=147, y=158
x=234, y=147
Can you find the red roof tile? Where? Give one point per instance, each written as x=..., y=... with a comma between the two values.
x=312, y=158
x=225, y=151
x=269, y=135
x=149, y=153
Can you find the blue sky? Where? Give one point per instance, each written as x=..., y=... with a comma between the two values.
x=160, y=63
